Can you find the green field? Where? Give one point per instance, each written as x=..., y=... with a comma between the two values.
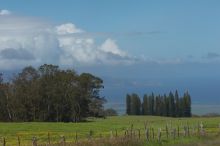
x=107, y=128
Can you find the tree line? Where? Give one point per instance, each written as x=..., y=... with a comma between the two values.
x=169, y=106
x=49, y=93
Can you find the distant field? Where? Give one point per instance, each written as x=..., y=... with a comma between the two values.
x=105, y=128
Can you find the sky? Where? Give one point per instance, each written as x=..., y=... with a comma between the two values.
x=134, y=45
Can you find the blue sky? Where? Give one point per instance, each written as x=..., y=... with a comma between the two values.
x=149, y=45
x=162, y=29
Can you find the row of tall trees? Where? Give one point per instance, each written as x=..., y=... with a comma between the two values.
x=170, y=106
x=49, y=93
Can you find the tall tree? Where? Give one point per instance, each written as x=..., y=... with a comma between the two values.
x=145, y=105
x=187, y=104
x=135, y=104
x=171, y=105
x=177, y=104
x=151, y=104
x=128, y=104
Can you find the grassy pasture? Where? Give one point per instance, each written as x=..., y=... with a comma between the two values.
x=104, y=128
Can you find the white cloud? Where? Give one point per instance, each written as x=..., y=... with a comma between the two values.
x=29, y=41
x=110, y=46
x=4, y=12
x=67, y=28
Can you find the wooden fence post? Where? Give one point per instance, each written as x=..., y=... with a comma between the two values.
x=34, y=141
x=198, y=129
x=147, y=134
x=116, y=133
x=184, y=130
x=174, y=133
x=202, y=130
x=178, y=130
x=188, y=129
x=48, y=138
x=76, y=137
x=111, y=134
x=90, y=134
x=4, y=141
x=167, y=132
x=139, y=133
x=159, y=135
x=153, y=133
x=132, y=126
x=63, y=140
x=19, y=141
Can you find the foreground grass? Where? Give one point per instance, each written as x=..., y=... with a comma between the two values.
x=102, y=128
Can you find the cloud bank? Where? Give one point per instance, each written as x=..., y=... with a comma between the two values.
x=29, y=41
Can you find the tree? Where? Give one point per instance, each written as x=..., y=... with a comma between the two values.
x=135, y=104
x=4, y=115
x=90, y=86
x=128, y=104
x=187, y=104
x=50, y=94
x=177, y=104
x=145, y=105
x=151, y=104
x=171, y=105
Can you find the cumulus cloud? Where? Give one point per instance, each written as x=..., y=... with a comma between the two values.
x=4, y=12
x=25, y=38
x=67, y=28
x=110, y=46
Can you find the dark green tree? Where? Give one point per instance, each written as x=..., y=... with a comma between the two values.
x=135, y=104
x=187, y=104
x=171, y=105
x=128, y=104
x=177, y=104
x=145, y=105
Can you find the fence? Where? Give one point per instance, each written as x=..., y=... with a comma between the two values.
x=147, y=134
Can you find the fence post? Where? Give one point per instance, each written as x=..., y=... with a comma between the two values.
x=159, y=135
x=90, y=134
x=111, y=134
x=153, y=133
x=174, y=133
x=188, y=129
x=198, y=130
x=48, y=138
x=147, y=134
x=145, y=125
x=132, y=126
x=139, y=133
x=4, y=141
x=63, y=140
x=178, y=130
x=116, y=133
x=19, y=141
x=184, y=130
x=76, y=137
x=202, y=130
x=167, y=132
x=34, y=141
